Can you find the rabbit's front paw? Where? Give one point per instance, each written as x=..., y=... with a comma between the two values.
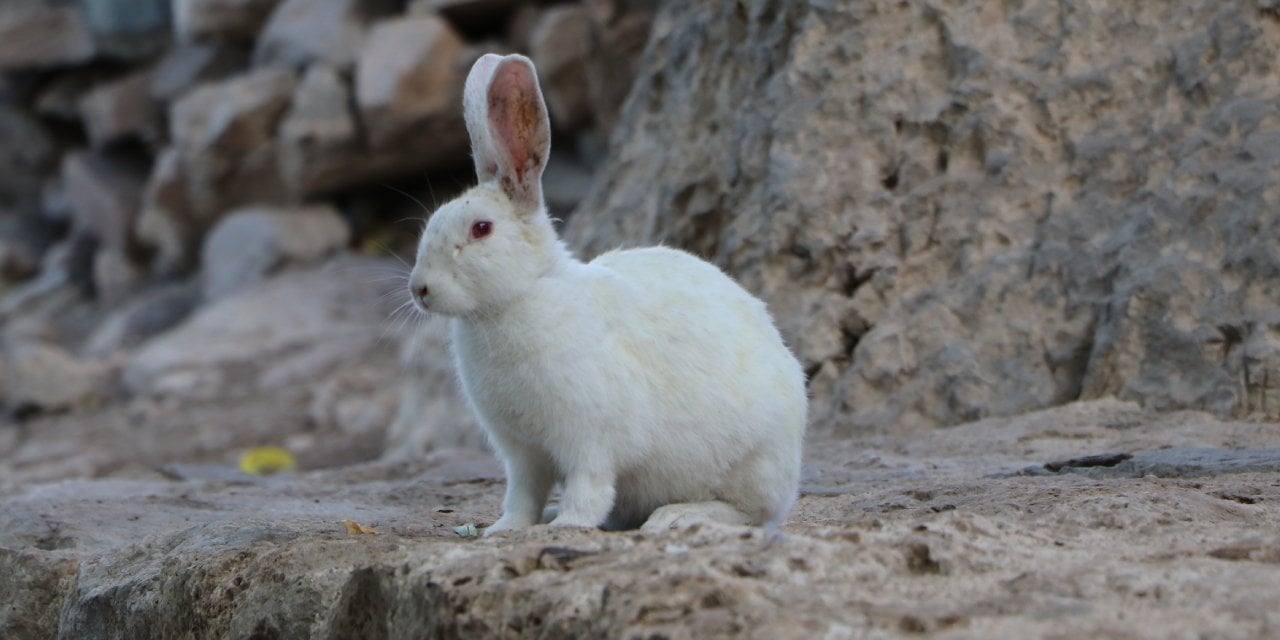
x=505, y=523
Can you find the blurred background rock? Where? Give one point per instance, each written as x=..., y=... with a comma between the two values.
x=203, y=201
x=954, y=211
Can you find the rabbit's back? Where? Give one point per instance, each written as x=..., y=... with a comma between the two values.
x=730, y=395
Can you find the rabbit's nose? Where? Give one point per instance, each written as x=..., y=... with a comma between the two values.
x=421, y=291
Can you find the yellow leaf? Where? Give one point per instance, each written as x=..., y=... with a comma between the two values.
x=355, y=528
x=260, y=461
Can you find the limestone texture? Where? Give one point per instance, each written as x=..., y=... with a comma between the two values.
x=958, y=210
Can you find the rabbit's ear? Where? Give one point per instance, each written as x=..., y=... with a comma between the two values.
x=475, y=108
x=519, y=132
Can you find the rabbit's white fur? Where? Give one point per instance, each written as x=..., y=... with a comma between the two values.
x=643, y=378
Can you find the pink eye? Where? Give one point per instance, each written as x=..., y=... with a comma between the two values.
x=480, y=229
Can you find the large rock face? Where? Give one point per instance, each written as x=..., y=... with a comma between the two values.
x=973, y=208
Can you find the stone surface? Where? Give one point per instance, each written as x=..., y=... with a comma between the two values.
x=432, y=413
x=407, y=84
x=115, y=276
x=142, y=317
x=59, y=97
x=38, y=35
x=559, y=45
x=320, y=146
x=43, y=377
x=122, y=108
x=224, y=134
x=300, y=32
x=27, y=151
x=165, y=221
x=247, y=244
x=892, y=537
x=295, y=312
x=472, y=15
x=971, y=209
x=128, y=29
x=186, y=65
x=234, y=20
x=619, y=31
x=104, y=195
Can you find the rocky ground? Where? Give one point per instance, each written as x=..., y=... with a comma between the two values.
x=130, y=519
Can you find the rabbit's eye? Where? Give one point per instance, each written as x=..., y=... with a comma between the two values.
x=480, y=229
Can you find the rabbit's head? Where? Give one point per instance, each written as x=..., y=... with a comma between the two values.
x=485, y=249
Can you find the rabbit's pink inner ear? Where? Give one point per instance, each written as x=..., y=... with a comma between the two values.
x=475, y=109
x=519, y=128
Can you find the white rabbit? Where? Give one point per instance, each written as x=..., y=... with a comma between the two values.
x=641, y=379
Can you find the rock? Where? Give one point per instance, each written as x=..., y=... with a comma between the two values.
x=473, y=16
x=59, y=96
x=1008, y=213
x=406, y=79
x=619, y=32
x=144, y=315
x=24, y=237
x=128, y=29
x=211, y=354
x=114, y=277
x=233, y=20
x=54, y=276
x=39, y=35
x=355, y=404
x=559, y=45
x=565, y=183
x=319, y=141
x=223, y=133
x=165, y=222
x=43, y=377
x=248, y=243
x=300, y=32
x=104, y=194
x=432, y=413
x=187, y=65
x=120, y=109
x=27, y=154
x=947, y=549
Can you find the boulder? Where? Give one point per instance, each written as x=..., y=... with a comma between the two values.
x=972, y=209
x=247, y=244
x=115, y=277
x=432, y=413
x=319, y=139
x=44, y=377
x=59, y=96
x=150, y=312
x=166, y=222
x=473, y=16
x=120, y=109
x=104, y=194
x=224, y=134
x=619, y=31
x=128, y=29
x=560, y=44
x=27, y=153
x=231, y=20
x=408, y=86
x=310, y=309
x=41, y=35
x=187, y=65
x=300, y=32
